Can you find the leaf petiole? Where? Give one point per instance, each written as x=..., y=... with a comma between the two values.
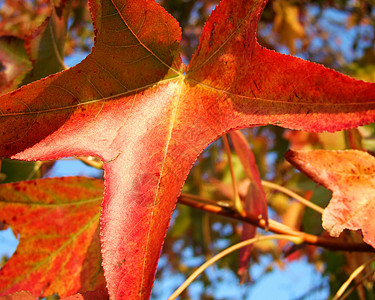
x=354, y=274
x=293, y=195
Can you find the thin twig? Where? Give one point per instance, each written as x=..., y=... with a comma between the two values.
x=293, y=195
x=367, y=275
x=227, y=251
x=351, y=278
x=276, y=227
x=198, y=198
x=222, y=203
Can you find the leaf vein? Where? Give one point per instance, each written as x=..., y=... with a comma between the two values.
x=159, y=180
x=139, y=40
x=222, y=45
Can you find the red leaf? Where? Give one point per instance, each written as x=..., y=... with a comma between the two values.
x=350, y=175
x=130, y=104
x=23, y=295
x=95, y=295
x=255, y=201
x=248, y=232
x=58, y=223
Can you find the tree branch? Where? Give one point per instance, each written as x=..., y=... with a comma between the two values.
x=276, y=227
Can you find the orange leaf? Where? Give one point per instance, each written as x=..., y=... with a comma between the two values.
x=287, y=23
x=23, y=295
x=58, y=223
x=350, y=175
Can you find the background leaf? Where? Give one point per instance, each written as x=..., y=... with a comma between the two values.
x=350, y=175
x=45, y=45
x=14, y=63
x=23, y=295
x=57, y=221
x=255, y=201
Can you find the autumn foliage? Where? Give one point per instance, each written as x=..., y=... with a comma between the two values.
x=147, y=116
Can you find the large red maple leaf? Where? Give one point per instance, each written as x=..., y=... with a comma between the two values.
x=131, y=103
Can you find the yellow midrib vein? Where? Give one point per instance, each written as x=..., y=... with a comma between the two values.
x=159, y=180
x=88, y=102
